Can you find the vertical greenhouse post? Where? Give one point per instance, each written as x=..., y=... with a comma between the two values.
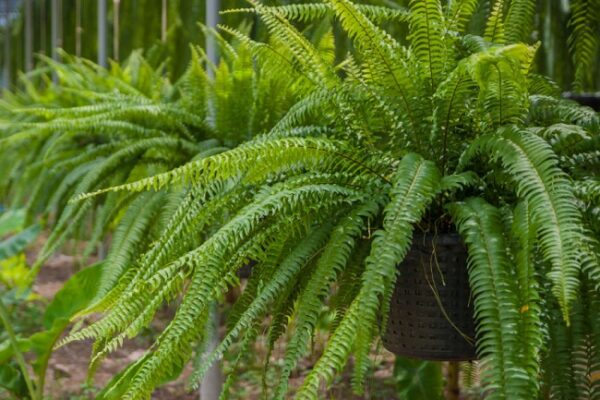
x=6, y=43
x=55, y=25
x=102, y=33
x=212, y=19
x=28, y=36
x=163, y=22
x=43, y=27
x=116, y=29
x=212, y=384
x=78, y=28
x=55, y=28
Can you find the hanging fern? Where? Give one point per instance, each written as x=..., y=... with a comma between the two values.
x=317, y=174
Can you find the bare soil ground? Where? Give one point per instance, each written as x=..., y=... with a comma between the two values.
x=68, y=366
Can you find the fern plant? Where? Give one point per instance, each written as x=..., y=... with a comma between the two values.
x=449, y=132
x=99, y=127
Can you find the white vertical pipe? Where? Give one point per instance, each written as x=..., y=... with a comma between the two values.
x=28, y=36
x=212, y=384
x=7, y=44
x=102, y=33
x=212, y=19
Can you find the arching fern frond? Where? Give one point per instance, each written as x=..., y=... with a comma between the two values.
x=494, y=29
x=128, y=236
x=496, y=299
x=334, y=259
x=500, y=75
x=309, y=12
x=540, y=181
x=519, y=20
x=427, y=39
x=276, y=154
x=547, y=110
x=386, y=63
x=584, y=39
x=415, y=183
x=530, y=333
x=458, y=14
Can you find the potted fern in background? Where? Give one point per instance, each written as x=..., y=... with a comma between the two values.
x=98, y=127
x=450, y=132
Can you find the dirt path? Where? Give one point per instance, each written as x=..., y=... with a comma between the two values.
x=68, y=366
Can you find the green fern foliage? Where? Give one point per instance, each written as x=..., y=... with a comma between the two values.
x=494, y=29
x=584, y=40
x=496, y=299
x=519, y=20
x=427, y=39
x=314, y=162
x=544, y=185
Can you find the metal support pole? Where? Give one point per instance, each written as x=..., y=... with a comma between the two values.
x=78, y=28
x=55, y=28
x=212, y=19
x=55, y=33
x=163, y=20
x=7, y=44
x=28, y=36
x=116, y=29
x=102, y=33
x=212, y=384
x=43, y=32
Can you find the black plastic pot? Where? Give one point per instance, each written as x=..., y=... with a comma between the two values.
x=246, y=270
x=586, y=99
x=431, y=312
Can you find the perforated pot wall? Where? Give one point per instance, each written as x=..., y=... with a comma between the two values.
x=418, y=326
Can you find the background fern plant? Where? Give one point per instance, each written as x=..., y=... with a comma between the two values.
x=452, y=131
x=97, y=127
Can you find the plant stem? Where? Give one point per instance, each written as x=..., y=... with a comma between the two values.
x=452, y=389
x=18, y=355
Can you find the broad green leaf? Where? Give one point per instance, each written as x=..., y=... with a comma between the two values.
x=12, y=381
x=11, y=221
x=74, y=295
x=17, y=243
x=418, y=380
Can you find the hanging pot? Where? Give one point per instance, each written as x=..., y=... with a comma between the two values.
x=431, y=312
x=585, y=99
x=245, y=270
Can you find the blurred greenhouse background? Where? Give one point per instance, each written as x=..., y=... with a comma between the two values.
x=101, y=30
x=111, y=29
